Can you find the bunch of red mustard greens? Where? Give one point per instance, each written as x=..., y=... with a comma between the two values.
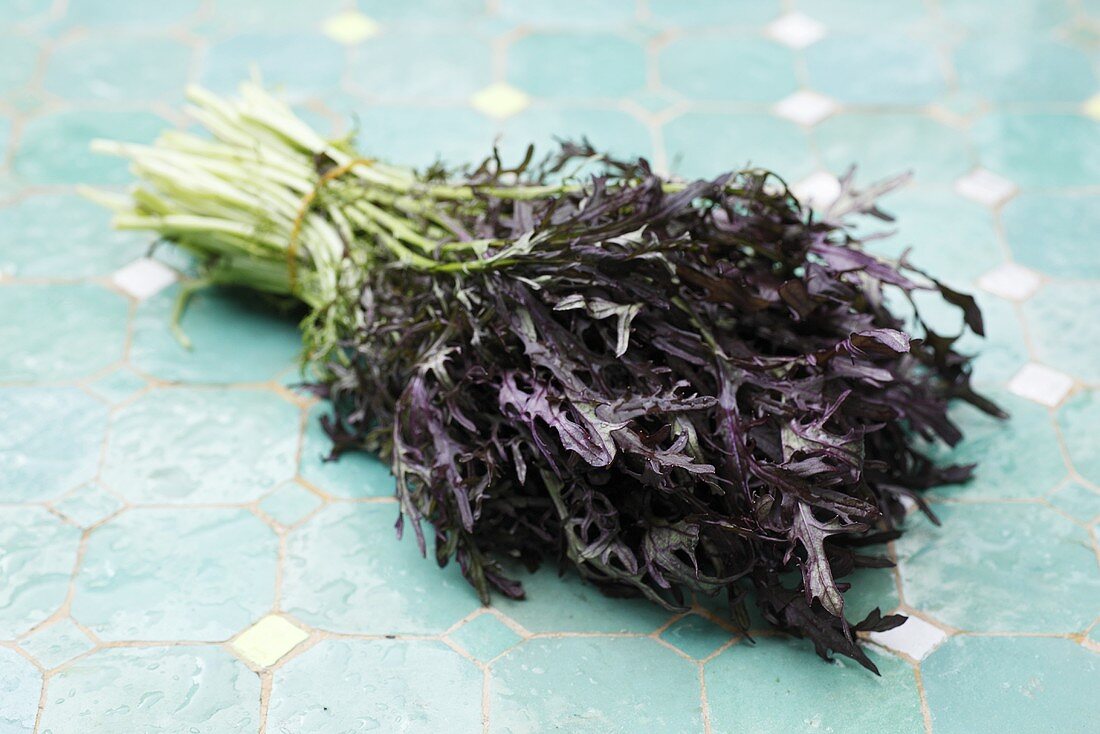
x=681, y=389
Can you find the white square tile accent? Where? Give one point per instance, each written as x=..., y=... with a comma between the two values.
x=985, y=187
x=796, y=30
x=818, y=190
x=143, y=278
x=1092, y=107
x=916, y=638
x=499, y=100
x=806, y=108
x=1011, y=281
x=266, y=642
x=1041, y=384
x=350, y=27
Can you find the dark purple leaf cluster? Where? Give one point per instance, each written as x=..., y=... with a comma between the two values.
x=676, y=390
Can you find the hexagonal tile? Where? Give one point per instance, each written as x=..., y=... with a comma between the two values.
x=97, y=68
x=198, y=574
x=59, y=332
x=564, y=603
x=778, y=684
x=708, y=67
x=355, y=474
x=300, y=62
x=87, y=505
x=419, y=686
x=345, y=571
x=117, y=385
x=55, y=148
x=289, y=503
x=1010, y=281
x=436, y=65
x=708, y=13
x=1079, y=418
x=552, y=684
x=37, y=553
x=1080, y=502
x=235, y=337
x=55, y=644
x=706, y=144
x=1052, y=232
x=1016, y=458
x=269, y=640
x=695, y=635
x=1028, y=70
x=63, y=236
x=55, y=444
x=191, y=688
x=576, y=65
x=1017, y=146
x=1041, y=384
x=499, y=100
x=885, y=68
x=806, y=107
x=1061, y=337
x=485, y=636
x=194, y=445
x=22, y=684
x=916, y=638
x=1037, y=684
x=885, y=144
x=1000, y=568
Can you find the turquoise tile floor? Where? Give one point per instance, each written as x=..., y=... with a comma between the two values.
x=176, y=557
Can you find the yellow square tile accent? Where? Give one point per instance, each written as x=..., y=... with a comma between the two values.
x=1092, y=107
x=350, y=27
x=265, y=642
x=499, y=100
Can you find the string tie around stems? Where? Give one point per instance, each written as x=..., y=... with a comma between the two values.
x=304, y=207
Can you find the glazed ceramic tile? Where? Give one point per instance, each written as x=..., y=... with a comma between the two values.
x=50, y=440
x=576, y=65
x=1017, y=458
x=770, y=686
x=234, y=337
x=98, y=68
x=1061, y=337
x=561, y=683
x=1078, y=501
x=484, y=637
x=21, y=682
x=37, y=553
x=714, y=12
x=56, y=643
x=1026, y=682
x=62, y=236
x=346, y=572
x=712, y=66
x=1000, y=568
x=269, y=640
x=619, y=132
x=889, y=144
x=154, y=574
x=444, y=66
x=1040, y=149
x=885, y=68
x=350, y=476
x=301, y=63
x=696, y=636
x=1077, y=419
x=1052, y=233
x=192, y=688
x=17, y=59
x=88, y=505
x=702, y=144
x=54, y=148
x=1023, y=70
x=59, y=332
x=188, y=445
x=419, y=687
x=289, y=503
